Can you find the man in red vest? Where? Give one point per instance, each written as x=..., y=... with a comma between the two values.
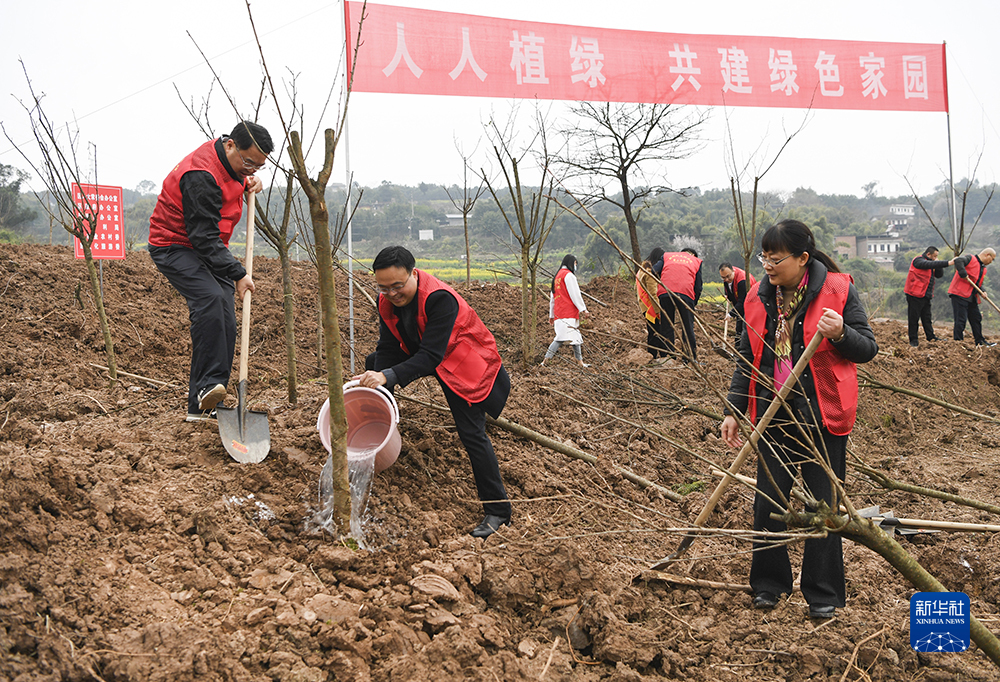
x=735, y=284
x=199, y=206
x=680, y=275
x=919, y=290
x=969, y=270
x=426, y=328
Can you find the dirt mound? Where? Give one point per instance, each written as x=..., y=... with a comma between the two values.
x=133, y=548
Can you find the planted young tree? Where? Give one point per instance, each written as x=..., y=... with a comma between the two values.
x=618, y=150
x=314, y=190
x=959, y=238
x=59, y=170
x=530, y=216
x=739, y=172
x=464, y=200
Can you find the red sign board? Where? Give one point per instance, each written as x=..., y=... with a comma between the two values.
x=109, y=240
x=415, y=51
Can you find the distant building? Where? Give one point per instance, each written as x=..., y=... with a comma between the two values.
x=882, y=249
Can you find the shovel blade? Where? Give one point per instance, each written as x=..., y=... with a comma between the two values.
x=249, y=442
x=245, y=433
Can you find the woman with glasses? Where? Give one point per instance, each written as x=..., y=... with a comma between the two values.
x=565, y=308
x=803, y=294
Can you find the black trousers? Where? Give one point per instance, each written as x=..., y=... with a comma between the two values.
x=684, y=306
x=655, y=342
x=212, y=312
x=967, y=309
x=782, y=453
x=470, y=422
x=918, y=309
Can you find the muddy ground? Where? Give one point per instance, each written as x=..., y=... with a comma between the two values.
x=132, y=547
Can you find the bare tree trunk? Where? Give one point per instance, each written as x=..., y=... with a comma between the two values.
x=95, y=286
x=289, y=307
x=468, y=252
x=527, y=347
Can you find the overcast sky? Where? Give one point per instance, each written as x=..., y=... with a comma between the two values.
x=113, y=66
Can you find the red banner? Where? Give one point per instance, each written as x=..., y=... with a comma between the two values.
x=425, y=52
x=109, y=240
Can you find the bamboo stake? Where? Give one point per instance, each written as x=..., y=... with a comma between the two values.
x=747, y=448
x=136, y=376
x=874, y=383
x=553, y=444
x=693, y=582
x=894, y=520
x=891, y=484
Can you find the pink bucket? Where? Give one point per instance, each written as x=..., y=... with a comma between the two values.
x=372, y=416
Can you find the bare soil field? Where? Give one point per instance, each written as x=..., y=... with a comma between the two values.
x=132, y=547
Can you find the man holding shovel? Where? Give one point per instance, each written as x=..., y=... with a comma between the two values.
x=803, y=295
x=426, y=328
x=199, y=206
x=969, y=270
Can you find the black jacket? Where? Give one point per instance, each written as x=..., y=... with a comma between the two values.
x=858, y=345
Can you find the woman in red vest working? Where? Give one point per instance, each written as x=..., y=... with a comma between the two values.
x=803, y=294
x=426, y=328
x=647, y=291
x=565, y=307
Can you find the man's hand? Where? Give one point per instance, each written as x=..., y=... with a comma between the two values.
x=243, y=286
x=371, y=379
x=254, y=184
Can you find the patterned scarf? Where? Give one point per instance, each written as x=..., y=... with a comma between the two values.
x=786, y=313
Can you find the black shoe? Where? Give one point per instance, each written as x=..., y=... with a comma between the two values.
x=210, y=396
x=822, y=610
x=764, y=600
x=490, y=525
x=934, y=338
x=986, y=344
x=914, y=344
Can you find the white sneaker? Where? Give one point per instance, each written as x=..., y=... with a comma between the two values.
x=210, y=396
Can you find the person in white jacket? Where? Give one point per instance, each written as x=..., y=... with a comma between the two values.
x=565, y=308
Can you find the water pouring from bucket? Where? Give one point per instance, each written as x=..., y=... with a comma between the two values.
x=373, y=444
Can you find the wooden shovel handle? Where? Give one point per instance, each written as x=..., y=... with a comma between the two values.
x=983, y=294
x=245, y=326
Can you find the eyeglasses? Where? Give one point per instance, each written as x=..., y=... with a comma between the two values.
x=766, y=261
x=249, y=165
x=395, y=288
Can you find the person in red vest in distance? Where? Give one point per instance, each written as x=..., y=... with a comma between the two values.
x=964, y=299
x=426, y=328
x=680, y=274
x=919, y=290
x=803, y=294
x=648, y=288
x=199, y=206
x=565, y=308
x=735, y=283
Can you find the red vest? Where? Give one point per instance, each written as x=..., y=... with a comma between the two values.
x=562, y=305
x=679, y=272
x=471, y=362
x=917, y=280
x=835, y=379
x=166, y=225
x=961, y=287
x=739, y=274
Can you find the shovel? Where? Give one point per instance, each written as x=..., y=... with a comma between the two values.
x=245, y=433
x=745, y=451
x=983, y=295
